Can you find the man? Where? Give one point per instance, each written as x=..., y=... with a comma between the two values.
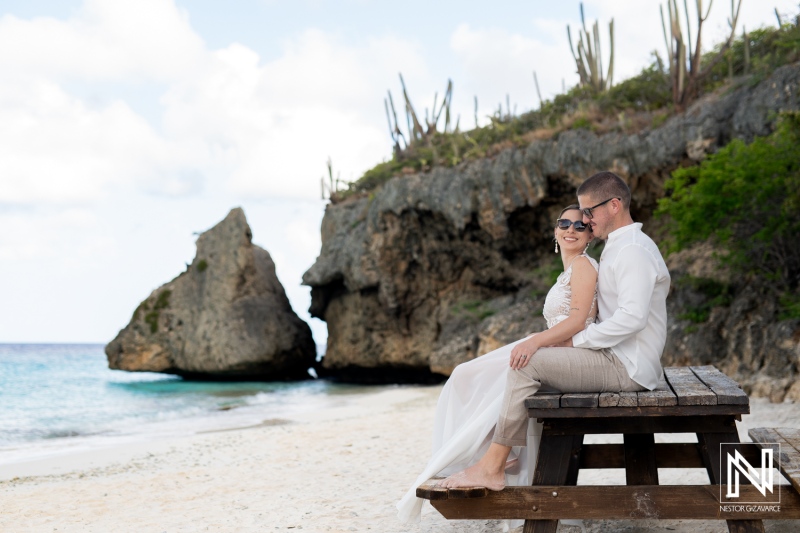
x=621, y=352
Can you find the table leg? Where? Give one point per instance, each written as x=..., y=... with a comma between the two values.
x=640, y=459
x=557, y=464
x=709, y=450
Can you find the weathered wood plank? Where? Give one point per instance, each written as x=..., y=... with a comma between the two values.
x=618, y=399
x=430, y=490
x=787, y=437
x=608, y=399
x=790, y=455
x=640, y=459
x=654, y=424
x=543, y=401
x=764, y=435
x=558, y=464
x=628, y=399
x=579, y=399
x=639, y=412
x=558, y=461
x=689, y=389
x=668, y=455
x=727, y=390
x=662, y=395
x=791, y=436
x=616, y=502
x=788, y=461
x=709, y=442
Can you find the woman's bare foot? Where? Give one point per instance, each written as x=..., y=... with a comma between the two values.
x=475, y=476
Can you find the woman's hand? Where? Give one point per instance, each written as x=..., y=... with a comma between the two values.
x=522, y=352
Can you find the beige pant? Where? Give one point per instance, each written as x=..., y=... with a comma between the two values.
x=563, y=369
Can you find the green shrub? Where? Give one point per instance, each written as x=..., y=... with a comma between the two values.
x=549, y=270
x=745, y=198
x=202, y=265
x=789, y=305
x=770, y=48
x=716, y=295
x=162, y=302
x=476, y=310
x=582, y=123
x=151, y=318
x=646, y=92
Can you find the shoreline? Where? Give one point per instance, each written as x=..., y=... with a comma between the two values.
x=342, y=467
x=17, y=458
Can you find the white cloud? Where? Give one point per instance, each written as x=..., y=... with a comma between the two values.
x=263, y=129
x=41, y=236
x=44, y=140
x=59, y=147
x=304, y=236
x=270, y=127
x=497, y=63
x=143, y=40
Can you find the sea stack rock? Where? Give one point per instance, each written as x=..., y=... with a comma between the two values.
x=226, y=317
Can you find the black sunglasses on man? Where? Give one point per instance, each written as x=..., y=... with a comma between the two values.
x=587, y=211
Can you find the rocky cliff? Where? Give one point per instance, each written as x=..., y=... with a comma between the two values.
x=226, y=317
x=431, y=270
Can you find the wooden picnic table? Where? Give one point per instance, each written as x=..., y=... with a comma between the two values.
x=785, y=443
x=697, y=399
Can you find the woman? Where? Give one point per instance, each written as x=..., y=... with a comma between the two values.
x=470, y=401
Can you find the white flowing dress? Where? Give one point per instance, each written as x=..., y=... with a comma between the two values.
x=469, y=406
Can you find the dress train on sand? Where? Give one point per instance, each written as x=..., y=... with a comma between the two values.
x=469, y=407
x=464, y=423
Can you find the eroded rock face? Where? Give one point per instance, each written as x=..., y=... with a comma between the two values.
x=432, y=270
x=226, y=317
x=745, y=339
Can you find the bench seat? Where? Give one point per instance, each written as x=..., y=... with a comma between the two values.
x=788, y=461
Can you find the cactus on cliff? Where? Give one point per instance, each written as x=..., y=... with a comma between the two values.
x=685, y=68
x=588, y=59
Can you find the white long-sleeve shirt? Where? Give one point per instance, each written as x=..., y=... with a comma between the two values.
x=632, y=287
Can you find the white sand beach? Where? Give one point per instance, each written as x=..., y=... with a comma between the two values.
x=339, y=469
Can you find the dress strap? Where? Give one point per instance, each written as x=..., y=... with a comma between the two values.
x=573, y=260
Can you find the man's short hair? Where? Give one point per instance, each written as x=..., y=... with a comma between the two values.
x=605, y=185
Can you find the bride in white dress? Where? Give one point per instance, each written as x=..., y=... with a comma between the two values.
x=469, y=404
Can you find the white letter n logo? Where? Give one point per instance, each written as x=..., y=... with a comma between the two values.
x=761, y=482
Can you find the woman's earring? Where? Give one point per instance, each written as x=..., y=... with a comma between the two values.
x=556, y=246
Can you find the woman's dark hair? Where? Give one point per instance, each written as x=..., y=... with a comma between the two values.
x=570, y=207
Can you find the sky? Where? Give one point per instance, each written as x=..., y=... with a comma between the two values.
x=126, y=128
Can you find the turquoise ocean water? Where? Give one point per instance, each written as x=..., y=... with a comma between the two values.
x=58, y=397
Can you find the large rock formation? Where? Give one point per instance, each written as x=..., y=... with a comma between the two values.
x=432, y=270
x=225, y=317
x=736, y=328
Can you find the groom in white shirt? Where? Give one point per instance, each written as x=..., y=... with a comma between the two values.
x=621, y=352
